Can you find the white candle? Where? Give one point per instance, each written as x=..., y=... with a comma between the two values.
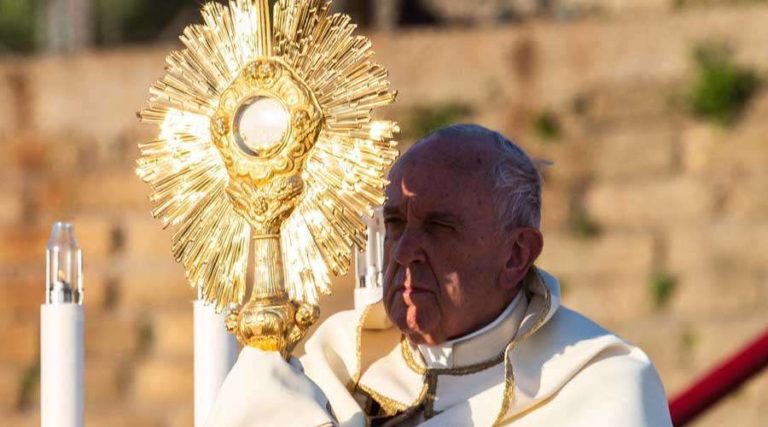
x=61, y=332
x=215, y=353
x=370, y=268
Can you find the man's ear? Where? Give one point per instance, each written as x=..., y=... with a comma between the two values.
x=525, y=245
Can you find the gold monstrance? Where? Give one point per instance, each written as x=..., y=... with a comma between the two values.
x=267, y=150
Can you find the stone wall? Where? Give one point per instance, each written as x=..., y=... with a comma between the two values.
x=656, y=223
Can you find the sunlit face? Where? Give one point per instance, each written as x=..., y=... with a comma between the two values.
x=443, y=253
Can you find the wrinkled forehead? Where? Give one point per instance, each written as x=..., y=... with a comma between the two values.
x=442, y=173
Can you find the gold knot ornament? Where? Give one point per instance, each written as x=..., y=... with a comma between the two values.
x=267, y=158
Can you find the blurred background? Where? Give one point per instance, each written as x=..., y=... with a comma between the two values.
x=655, y=209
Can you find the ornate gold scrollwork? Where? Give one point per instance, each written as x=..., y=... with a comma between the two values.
x=266, y=184
x=268, y=150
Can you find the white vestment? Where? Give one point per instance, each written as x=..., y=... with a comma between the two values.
x=538, y=364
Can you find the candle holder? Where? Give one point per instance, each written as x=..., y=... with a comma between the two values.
x=61, y=331
x=267, y=158
x=369, y=263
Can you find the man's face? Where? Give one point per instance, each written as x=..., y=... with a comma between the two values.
x=443, y=253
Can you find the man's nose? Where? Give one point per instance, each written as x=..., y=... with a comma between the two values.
x=408, y=248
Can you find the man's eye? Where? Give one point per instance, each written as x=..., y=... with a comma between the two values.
x=440, y=226
x=393, y=221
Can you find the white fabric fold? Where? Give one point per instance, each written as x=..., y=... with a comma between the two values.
x=481, y=345
x=262, y=389
x=562, y=369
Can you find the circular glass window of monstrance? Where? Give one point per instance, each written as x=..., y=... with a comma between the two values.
x=260, y=125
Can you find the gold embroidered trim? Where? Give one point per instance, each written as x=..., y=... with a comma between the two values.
x=408, y=357
x=388, y=405
x=461, y=370
x=431, y=395
x=411, y=411
x=428, y=392
x=509, y=382
x=533, y=407
x=431, y=375
x=359, y=349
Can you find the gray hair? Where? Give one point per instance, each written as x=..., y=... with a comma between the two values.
x=517, y=182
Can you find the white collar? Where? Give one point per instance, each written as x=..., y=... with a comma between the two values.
x=481, y=345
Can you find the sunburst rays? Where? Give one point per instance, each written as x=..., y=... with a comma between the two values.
x=344, y=171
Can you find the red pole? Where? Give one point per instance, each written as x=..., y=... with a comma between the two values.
x=720, y=381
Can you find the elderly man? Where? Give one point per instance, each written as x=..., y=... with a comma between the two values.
x=469, y=332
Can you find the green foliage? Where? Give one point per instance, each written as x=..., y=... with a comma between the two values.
x=687, y=345
x=424, y=120
x=114, y=21
x=30, y=380
x=17, y=25
x=582, y=225
x=662, y=287
x=688, y=339
x=136, y=20
x=722, y=89
x=146, y=334
x=547, y=127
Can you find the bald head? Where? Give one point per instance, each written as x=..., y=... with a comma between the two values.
x=464, y=159
x=484, y=156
